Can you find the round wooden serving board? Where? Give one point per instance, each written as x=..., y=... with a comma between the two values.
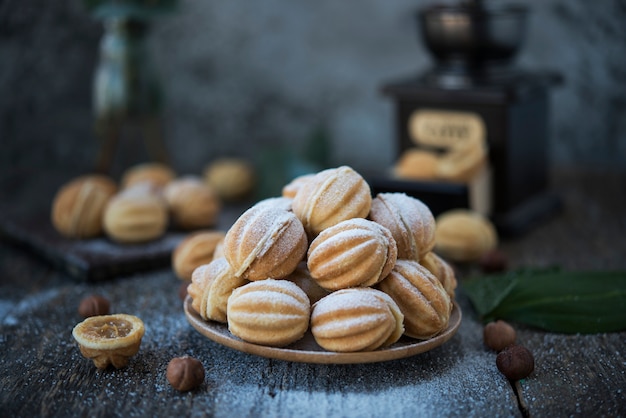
x=306, y=350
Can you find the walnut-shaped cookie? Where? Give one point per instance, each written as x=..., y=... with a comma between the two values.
x=265, y=242
x=442, y=270
x=410, y=221
x=78, y=206
x=192, y=203
x=136, y=215
x=158, y=175
x=359, y=319
x=421, y=297
x=355, y=252
x=269, y=312
x=302, y=277
x=194, y=250
x=464, y=235
x=232, y=178
x=331, y=196
x=211, y=286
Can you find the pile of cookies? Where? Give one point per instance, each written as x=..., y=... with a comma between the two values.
x=358, y=271
x=149, y=198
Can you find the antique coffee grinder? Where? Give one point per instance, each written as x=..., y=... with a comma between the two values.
x=472, y=131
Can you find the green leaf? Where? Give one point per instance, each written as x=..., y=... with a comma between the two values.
x=487, y=293
x=568, y=302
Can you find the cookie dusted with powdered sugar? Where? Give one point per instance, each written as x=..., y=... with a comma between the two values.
x=421, y=297
x=195, y=250
x=442, y=270
x=269, y=312
x=355, y=252
x=359, y=319
x=410, y=221
x=329, y=197
x=79, y=205
x=265, y=242
x=211, y=286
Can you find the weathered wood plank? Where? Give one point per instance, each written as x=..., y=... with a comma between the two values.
x=43, y=374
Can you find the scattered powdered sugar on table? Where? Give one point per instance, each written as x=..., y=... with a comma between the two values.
x=236, y=383
x=14, y=311
x=5, y=308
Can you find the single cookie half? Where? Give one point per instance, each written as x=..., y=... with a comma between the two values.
x=109, y=339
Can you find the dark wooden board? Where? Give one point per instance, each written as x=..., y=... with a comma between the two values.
x=88, y=259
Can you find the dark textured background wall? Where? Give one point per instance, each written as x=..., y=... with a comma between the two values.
x=241, y=78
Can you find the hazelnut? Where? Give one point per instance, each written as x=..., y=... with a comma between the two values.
x=498, y=335
x=94, y=305
x=185, y=373
x=493, y=261
x=515, y=362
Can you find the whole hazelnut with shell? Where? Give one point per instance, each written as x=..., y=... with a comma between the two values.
x=515, y=362
x=498, y=335
x=93, y=305
x=493, y=261
x=185, y=373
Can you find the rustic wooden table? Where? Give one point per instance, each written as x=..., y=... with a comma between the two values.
x=42, y=372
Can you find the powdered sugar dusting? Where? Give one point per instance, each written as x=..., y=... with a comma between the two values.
x=268, y=296
x=342, y=301
x=263, y=231
x=332, y=196
x=283, y=203
x=410, y=221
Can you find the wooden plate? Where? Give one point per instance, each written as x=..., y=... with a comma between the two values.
x=306, y=350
